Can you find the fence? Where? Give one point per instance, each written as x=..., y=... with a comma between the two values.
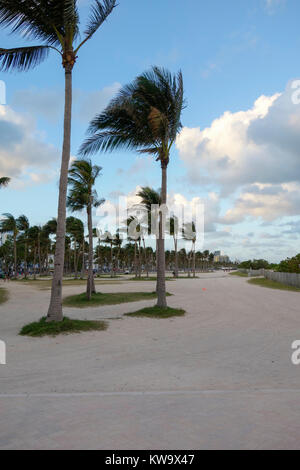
x=252, y=272
x=289, y=279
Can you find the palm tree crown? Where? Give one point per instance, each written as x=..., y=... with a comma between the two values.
x=145, y=116
x=55, y=23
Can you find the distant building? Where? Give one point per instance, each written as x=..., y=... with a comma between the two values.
x=219, y=257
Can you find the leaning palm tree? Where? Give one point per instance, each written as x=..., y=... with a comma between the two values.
x=145, y=115
x=4, y=181
x=56, y=24
x=82, y=195
x=9, y=225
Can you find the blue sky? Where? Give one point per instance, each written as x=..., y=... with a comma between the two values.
x=232, y=54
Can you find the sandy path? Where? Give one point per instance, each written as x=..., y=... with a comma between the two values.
x=221, y=377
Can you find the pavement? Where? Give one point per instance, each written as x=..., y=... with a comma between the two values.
x=221, y=377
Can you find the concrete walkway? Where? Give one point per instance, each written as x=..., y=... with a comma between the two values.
x=219, y=378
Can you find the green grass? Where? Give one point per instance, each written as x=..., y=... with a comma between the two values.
x=262, y=282
x=238, y=273
x=3, y=295
x=156, y=312
x=150, y=278
x=67, y=326
x=99, y=299
x=46, y=284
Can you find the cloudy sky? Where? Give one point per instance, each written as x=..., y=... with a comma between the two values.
x=239, y=150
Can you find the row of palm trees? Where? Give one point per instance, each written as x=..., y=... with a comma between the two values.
x=29, y=250
x=145, y=116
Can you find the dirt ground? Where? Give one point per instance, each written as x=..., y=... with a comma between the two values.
x=220, y=377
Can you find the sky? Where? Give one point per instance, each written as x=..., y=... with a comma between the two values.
x=238, y=151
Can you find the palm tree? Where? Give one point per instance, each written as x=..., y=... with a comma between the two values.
x=173, y=231
x=75, y=229
x=82, y=195
x=23, y=225
x=56, y=24
x=145, y=115
x=4, y=181
x=9, y=225
x=149, y=198
x=34, y=240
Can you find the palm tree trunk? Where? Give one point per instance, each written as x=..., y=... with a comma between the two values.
x=25, y=262
x=140, y=261
x=194, y=260
x=39, y=254
x=34, y=263
x=75, y=259
x=176, y=257
x=15, y=254
x=135, y=260
x=82, y=267
x=55, y=308
x=161, y=264
x=90, y=288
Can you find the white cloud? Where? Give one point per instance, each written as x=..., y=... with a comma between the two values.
x=90, y=104
x=23, y=151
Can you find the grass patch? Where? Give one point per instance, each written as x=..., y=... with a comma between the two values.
x=262, y=282
x=150, y=278
x=3, y=295
x=46, y=284
x=99, y=299
x=157, y=312
x=67, y=326
x=239, y=274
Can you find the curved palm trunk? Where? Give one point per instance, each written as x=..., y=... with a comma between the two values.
x=90, y=288
x=161, y=261
x=55, y=308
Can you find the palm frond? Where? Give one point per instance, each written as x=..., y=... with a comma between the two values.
x=22, y=58
x=34, y=19
x=99, y=13
x=4, y=181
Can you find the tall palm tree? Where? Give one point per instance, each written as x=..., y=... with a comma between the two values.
x=9, y=225
x=82, y=195
x=4, y=181
x=23, y=226
x=56, y=24
x=145, y=115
